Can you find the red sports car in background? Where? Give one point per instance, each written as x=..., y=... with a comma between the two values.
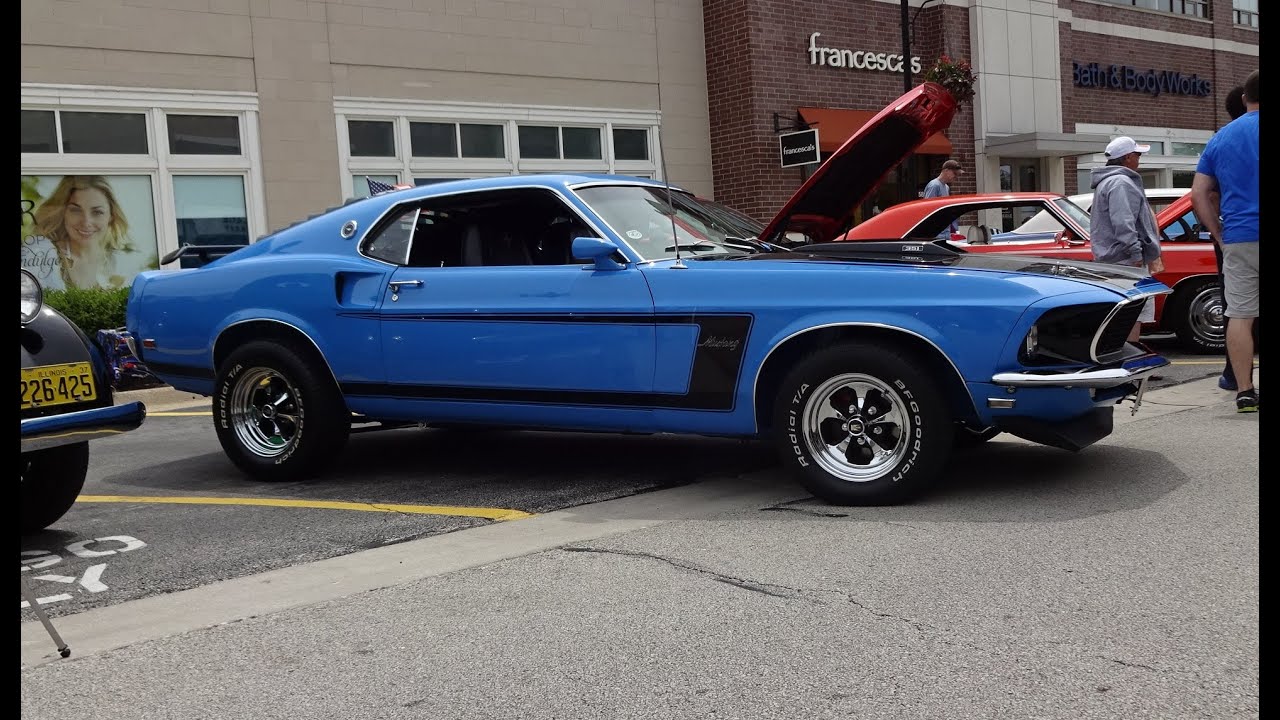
x=1193, y=311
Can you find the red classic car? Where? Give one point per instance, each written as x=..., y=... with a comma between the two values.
x=1193, y=311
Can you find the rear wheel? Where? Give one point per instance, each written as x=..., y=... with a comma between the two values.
x=1195, y=313
x=277, y=416
x=51, y=481
x=862, y=425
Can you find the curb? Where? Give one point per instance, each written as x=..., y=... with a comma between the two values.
x=162, y=398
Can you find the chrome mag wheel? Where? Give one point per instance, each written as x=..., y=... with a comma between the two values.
x=1205, y=316
x=855, y=427
x=265, y=413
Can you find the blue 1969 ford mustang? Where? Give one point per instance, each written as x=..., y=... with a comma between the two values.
x=587, y=302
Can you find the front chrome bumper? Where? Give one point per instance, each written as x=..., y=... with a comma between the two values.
x=1132, y=371
x=81, y=426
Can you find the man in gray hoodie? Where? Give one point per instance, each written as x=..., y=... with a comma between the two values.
x=1122, y=227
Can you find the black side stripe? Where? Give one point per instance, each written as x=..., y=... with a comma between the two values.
x=713, y=382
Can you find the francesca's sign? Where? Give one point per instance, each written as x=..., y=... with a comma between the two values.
x=857, y=59
x=799, y=148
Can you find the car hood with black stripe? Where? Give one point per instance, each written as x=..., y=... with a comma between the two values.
x=907, y=252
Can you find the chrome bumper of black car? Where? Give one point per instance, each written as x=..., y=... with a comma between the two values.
x=75, y=427
x=1131, y=371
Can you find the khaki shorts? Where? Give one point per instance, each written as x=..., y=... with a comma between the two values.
x=1240, y=279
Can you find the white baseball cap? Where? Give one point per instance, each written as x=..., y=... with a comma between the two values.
x=1124, y=145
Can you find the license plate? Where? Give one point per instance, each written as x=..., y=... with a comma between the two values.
x=57, y=385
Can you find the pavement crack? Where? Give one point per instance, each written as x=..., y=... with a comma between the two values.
x=770, y=589
x=1127, y=663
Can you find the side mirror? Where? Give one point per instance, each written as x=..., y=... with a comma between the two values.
x=598, y=250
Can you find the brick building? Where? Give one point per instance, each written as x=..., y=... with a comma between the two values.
x=1037, y=122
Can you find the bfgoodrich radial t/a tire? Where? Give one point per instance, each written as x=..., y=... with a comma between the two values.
x=863, y=425
x=277, y=416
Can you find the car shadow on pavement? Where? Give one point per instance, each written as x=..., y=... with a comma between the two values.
x=1014, y=482
x=527, y=470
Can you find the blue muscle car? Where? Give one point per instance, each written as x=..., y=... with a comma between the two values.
x=614, y=303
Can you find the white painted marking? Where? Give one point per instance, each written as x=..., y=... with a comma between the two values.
x=56, y=578
x=91, y=580
x=47, y=600
x=81, y=549
x=40, y=559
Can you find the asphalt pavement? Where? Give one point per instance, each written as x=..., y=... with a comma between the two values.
x=1118, y=582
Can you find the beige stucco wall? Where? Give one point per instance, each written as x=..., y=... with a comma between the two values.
x=298, y=54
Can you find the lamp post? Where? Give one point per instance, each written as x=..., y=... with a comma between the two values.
x=908, y=25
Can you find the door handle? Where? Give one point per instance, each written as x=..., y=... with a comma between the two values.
x=395, y=287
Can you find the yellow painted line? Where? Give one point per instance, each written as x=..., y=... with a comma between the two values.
x=165, y=413
x=1219, y=361
x=480, y=512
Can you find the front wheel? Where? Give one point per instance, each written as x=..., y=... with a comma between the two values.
x=863, y=425
x=278, y=416
x=1195, y=313
x=51, y=481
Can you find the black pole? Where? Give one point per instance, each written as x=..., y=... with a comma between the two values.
x=906, y=48
x=907, y=192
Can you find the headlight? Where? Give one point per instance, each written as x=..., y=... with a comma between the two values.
x=32, y=297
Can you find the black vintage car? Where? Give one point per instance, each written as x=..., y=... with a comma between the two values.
x=66, y=401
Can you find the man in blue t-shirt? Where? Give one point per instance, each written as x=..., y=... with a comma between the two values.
x=1231, y=166
x=941, y=187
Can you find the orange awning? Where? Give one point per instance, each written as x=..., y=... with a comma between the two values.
x=836, y=125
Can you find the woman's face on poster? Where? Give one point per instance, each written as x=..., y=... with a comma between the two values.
x=87, y=215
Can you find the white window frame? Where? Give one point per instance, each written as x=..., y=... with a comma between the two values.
x=403, y=112
x=160, y=165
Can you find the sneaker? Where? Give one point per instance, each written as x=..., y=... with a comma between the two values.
x=1226, y=383
x=1247, y=401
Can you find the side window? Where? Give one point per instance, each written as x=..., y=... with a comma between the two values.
x=1186, y=229
x=497, y=228
x=393, y=242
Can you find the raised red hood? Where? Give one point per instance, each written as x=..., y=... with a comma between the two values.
x=823, y=207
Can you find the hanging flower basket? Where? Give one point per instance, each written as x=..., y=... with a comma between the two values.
x=954, y=75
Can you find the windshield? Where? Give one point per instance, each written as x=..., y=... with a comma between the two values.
x=1045, y=222
x=640, y=215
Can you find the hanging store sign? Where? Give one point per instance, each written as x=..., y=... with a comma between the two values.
x=799, y=148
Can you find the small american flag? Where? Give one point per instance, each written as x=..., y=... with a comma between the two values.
x=376, y=187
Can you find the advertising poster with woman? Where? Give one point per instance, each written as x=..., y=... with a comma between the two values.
x=87, y=231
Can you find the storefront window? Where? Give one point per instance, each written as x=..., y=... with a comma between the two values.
x=371, y=138
x=39, y=131
x=450, y=141
x=482, y=141
x=105, y=194
x=204, y=134
x=104, y=133
x=88, y=231
x=539, y=142
x=581, y=143
x=630, y=144
x=210, y=211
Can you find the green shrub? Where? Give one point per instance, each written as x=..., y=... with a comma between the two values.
x=92, y=309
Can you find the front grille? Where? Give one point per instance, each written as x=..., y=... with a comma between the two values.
x=1109, y=343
